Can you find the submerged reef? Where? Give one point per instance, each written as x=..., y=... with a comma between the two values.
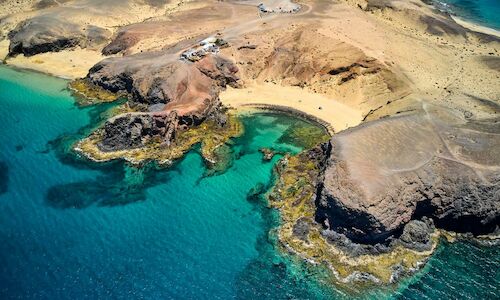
x=294, y=195
x=169, y=108
x=140, y=138
x=4, y=177
x=378, y=215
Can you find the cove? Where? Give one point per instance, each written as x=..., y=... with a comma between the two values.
x=74, y=229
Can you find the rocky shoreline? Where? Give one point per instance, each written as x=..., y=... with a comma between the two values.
x=294, y=193
x=305, y=232
x=370, y=202
x=451, y=176
x=170, y=109
x=164, y=143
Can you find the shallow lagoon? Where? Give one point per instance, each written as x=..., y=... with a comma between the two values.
x=72, y=229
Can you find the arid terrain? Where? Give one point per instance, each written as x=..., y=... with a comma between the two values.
x=410, y=97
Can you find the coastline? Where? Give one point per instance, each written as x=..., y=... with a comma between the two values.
x=475, y=27
x=294, y=185
x=347, y=280
x=332, y=114
x=128, y=211
x=66, y=64
x=287, y=110
x=463, y=21
x=358, y=78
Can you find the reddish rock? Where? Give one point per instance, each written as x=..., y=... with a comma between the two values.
x=190, y=89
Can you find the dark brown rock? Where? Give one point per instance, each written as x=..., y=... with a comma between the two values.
x=120, y=43
x=383, y=174
x=51, y=34
x=417, y=235
x=135, y=130
x=301, y=228
x=267, y=154
x=175, y=92
x=190, y=89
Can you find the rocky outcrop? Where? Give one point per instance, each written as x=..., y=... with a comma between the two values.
x=167, y=94
x=434, y=163
x=52, y=26
x=297, y=182
x=50, y=34
x=170, y=99
x=417, y=235
x=120, y=43
x=372, y=5
x=135, y=130
x=190, y=89
x=309, y=59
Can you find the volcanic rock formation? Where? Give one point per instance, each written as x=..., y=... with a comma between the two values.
x=40, y=35
x=374, y=188
x=134, y=130
x=51, y=26
x=189, y=89
x=435, y=163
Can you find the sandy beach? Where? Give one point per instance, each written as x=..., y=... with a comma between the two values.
x=390, y=59
x=476, y=27
x=410, y=96
x=4, y=49
x=330, y=111
x=70, y=64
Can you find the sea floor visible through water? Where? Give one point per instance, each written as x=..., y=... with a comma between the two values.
x=482, y=12
x=72, y=229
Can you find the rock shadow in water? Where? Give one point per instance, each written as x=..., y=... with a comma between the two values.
x=4, y=177
x=120, y=185
x=270, y=275
x=252, y=130
x=63, y=144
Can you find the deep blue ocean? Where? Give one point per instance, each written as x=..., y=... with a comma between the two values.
x=70, y=229
x=482, y=12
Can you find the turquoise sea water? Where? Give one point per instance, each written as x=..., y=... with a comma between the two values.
x=74, y=230
x=482, y=12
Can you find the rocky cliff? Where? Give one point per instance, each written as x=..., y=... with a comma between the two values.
x=52, y=26
x=48, y=34
x=162, y=83
x=130, y=131
x=172, y=105
x=434, y=163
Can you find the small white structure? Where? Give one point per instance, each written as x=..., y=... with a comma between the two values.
x=210, y=45
x=278, y=6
